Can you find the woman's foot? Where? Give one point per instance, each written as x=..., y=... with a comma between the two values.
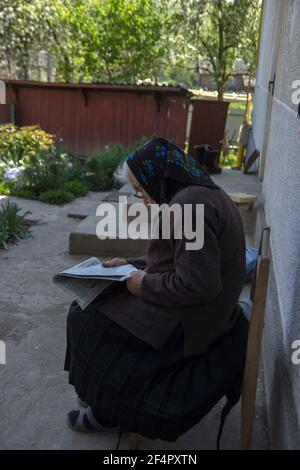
x=84, y=421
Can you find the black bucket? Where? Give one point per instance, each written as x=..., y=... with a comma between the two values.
x=207, y=156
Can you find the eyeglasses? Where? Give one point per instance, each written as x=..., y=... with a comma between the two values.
x=138, y=192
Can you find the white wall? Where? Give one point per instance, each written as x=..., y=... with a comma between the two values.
x=270, y=12
x=281, y=188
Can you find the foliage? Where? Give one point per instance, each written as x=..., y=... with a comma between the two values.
x=100, y=168
x=76, y=187
x=138, y=144
x=228, y=24
x=4, y=189
x=85, y=39
x=48, y=170
x=12, y=225
x=237, y=106
x=209, y=35
x=56, y=196
x=228, y=161
x=23, y=192
x=17, y=145
x=44, y=166
x=40, y=174
x=127, y=40
x=115, y=40
x=26, y=28
x=51, y=174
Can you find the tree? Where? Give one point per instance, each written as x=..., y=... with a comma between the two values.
x=185, y=20
x=26, y=27
x=89, y=40
x=115, y=40
x=128, y=40
x=215, y=34
x=225, y=30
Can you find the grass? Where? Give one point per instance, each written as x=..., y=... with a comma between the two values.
x=240, y=106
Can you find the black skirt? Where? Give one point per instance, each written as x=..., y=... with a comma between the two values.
x=156, y=393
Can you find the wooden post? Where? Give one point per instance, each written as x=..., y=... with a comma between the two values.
x=258, y=295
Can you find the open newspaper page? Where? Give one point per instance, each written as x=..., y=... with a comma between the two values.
x=87, y=280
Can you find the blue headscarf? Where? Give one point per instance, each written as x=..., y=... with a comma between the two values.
x=162, y=169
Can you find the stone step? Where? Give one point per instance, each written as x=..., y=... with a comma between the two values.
x=84, y=240
x=112, y=197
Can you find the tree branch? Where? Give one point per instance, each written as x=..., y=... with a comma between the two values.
x=212, y=60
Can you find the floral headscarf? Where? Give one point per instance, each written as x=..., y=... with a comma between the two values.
x=162, y=168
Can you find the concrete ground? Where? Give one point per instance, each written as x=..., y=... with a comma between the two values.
x=35, y=395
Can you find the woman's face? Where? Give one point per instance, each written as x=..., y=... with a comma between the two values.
x=136, y=185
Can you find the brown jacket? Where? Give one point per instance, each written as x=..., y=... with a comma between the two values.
x=198, y=288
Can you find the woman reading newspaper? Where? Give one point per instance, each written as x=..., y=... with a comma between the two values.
x=156, y=354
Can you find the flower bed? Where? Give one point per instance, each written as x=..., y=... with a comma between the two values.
x=32, y=166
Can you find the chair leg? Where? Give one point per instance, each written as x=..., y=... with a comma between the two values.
x=133, y=441
x=253, y=356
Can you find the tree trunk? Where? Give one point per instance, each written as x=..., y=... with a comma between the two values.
x=49, y=66
x=221, y=58
x=220, y=89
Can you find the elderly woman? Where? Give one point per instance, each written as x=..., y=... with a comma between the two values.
x=155, y=354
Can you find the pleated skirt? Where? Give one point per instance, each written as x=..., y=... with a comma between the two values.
x=156, y=393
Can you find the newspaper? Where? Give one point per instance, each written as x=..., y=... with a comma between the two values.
x=87, y=280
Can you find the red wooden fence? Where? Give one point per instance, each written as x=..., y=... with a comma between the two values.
x=4, y=113
x=208, y=123
x=89, y=116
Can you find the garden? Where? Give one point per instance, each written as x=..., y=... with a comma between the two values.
x=34, y=166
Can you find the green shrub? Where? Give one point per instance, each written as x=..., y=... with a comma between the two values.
x=17, y=144
x=4, y=189
x=51, y=170
x=23, y=192
x=56, y=196
x=76, y=187
x=47, y=170
x=16, y=188
x=72, y=166
x=138, y=144
x=100, y=168
x=45, y=166
x=12, y=224
x=228, y=161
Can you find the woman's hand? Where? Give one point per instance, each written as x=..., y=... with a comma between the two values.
x=114, y=262
x=134, y=283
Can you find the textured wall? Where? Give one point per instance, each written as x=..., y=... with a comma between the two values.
x=281, y=188
x=288, y=68
x=263, y=72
